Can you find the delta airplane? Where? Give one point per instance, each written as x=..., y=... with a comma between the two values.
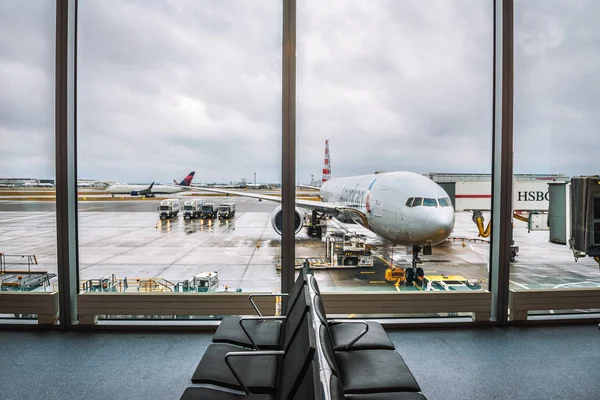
x=405, y=208
x=152, y=189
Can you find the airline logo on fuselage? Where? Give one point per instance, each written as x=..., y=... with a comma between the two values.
x=353, y=197
x=356, y=197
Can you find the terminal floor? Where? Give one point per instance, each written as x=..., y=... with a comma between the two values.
x=558, y=362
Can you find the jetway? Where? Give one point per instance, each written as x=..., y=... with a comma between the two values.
x=574, y=215
x=585, y=217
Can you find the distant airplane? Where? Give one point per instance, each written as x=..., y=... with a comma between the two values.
x=405, y=208
x=152, y=189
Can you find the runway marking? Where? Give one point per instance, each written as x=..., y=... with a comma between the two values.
x=93, y=208
x=518, y=284
x=477, y=251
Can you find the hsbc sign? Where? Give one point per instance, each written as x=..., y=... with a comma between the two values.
x=533, y=196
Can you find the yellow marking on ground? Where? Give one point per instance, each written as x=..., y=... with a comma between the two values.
x=367, y=272
x=376, y=282
x=417, y=286
x=397, y=288
x=385, y=261
x=351, y=315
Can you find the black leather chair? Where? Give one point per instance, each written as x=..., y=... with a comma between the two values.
x=266, y=332
x=257, y=369
x=344, y=334
x=367, y=371
x=293, y=378
x=337, y=393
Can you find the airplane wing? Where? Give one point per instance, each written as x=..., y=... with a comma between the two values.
x=308, y=187
x=312, y=205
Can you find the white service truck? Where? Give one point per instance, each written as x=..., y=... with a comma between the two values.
x=168, y=208
x=226, y=210
x=192, y=208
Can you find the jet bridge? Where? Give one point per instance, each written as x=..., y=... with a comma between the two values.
x=585, y=217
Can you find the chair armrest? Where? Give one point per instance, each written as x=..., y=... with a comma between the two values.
x=248, y=354
x=361, y=334
x=242, y=319
x=262, y=295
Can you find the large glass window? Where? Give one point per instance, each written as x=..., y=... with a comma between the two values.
x=174, y=97
x=401, y=94
x=556, y=124
x=27, y=170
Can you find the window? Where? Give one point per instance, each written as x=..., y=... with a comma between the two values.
x=444, y=202
x=430, y=202
x=418, y=201
x=556, y=57
x=409, y=202
x=167, y=89
x=28, y=254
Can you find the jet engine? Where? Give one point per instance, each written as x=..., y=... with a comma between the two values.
x=134, y=193
x=277, y=220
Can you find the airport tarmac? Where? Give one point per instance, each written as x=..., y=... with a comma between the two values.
x=127, y=239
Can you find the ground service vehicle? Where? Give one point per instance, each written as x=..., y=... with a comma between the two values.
x=168, y=208
x=226, y=210
x=192, y=208
x=208, y=210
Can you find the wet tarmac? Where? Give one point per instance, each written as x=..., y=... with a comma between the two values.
x=127, y=239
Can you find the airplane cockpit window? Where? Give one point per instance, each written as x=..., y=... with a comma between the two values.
x=430, y=202
x=418, y=201
x=409, y=201
x=443, y=202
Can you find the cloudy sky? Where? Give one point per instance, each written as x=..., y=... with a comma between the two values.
x=166, y=87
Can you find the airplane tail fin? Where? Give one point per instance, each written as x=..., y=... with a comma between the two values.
x=326, y=164
x=187, y=181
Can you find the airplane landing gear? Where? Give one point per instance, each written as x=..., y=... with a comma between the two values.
x=415, y=273
x=315, y=228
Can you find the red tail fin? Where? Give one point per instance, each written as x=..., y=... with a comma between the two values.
x=187, y=181
x=326, y=164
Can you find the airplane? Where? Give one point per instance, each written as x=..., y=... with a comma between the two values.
x=403, y=207
x=152, y=190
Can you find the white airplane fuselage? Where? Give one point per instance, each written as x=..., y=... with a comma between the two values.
x=156, y=189
x=382, y=198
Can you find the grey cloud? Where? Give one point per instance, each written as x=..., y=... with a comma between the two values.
x=170, y=86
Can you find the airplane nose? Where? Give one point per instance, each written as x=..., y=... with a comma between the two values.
x=440, y=223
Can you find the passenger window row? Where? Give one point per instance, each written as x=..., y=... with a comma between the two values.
x=427, y=202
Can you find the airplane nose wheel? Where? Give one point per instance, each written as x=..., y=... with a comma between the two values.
x=415, y=273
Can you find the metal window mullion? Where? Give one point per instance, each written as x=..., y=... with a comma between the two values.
x=288, y=154
x=66, y=160
x=502, y=155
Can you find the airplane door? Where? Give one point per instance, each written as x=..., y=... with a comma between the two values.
x=377, y=207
